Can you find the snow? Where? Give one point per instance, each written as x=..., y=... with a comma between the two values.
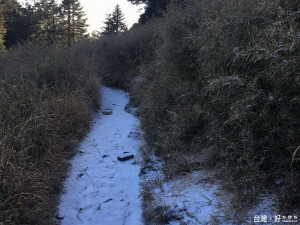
x=101, y=189
x=197, y=198
x=191, y=197
x=266, y=207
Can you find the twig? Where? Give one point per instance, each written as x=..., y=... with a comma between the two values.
x=294, y=155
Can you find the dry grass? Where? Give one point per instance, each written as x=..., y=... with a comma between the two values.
x=225, y=85
x=47, y=97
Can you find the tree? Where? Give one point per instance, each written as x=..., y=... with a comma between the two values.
x=73, y=21
x=45, y=21
x=14, y=22
x=53, y=21
x=153, y=8
x=108, y=28
x=114, y=23
x=2, y=30
x=30, y=21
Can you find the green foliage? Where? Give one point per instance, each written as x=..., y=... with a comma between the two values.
x=74, y=22
x=46, y=27
x=114, y=23
x=14, y=22
x=153, y=9
x=44, y=22
x=2, y=30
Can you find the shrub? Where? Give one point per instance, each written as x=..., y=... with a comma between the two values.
x=47, y=96
x=121, y=55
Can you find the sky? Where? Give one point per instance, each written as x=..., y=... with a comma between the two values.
x=96, y=11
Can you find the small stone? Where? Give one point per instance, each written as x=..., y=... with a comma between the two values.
x=59, y=217
x=126, y=158
x=107, y=113
x=127, y=108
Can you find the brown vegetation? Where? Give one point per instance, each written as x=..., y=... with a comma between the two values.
x=47, y=97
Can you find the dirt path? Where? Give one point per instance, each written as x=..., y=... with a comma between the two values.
x=101, y=189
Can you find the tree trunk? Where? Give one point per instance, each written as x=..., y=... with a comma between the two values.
x=69, y=25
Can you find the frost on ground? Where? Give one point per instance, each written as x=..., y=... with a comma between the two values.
x=194, y=198
x=102, y=189
x=191, y=198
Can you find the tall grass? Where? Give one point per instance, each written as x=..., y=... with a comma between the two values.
x=47, y=97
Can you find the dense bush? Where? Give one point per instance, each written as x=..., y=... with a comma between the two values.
x=47, y=97
x=120, y=56
x=222, y=84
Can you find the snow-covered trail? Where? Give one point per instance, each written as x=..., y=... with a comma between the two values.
x=101, y=190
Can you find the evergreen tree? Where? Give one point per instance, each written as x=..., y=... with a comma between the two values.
x=2, y=30
x=153, y=9
x=108, y=28
x=14, y=22
x=53, y=20
x=119, y=24
x=31, y=22
x=41, y=26
x=114, y=23
x=74, y=21
x=46, y=15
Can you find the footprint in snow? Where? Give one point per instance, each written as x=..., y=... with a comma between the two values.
x=118, y=147
x=107, y=113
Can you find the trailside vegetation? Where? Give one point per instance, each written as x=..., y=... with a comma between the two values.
x=47, y=99
x=48, y=94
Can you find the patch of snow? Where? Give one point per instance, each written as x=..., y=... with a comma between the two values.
x=101, y=189
x=228, y=80
x=195, y=201
x=279, y=181
x=266, y=208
